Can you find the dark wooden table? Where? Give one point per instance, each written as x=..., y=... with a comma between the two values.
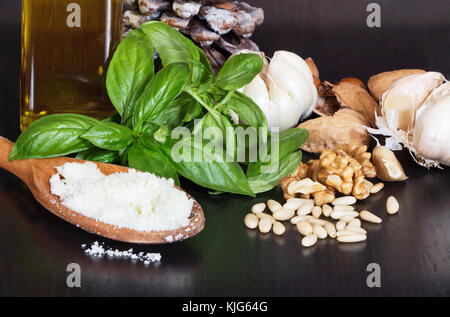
x=412, y=248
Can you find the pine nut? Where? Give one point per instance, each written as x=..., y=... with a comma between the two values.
x=262, y=215
x=278, y=228
x=346, y=200
x=331, y=230
x=283, y=214
x=345, y=233
x=369, y=217
x=317, y=211
x=273, y=205
x=319, y=231
x=356, y=230
x=292, y=205
x=340, y=225
x=251, y=221
x=309, y=240
x=352, y=238
x=314, y=221
x=265, y=225
x=305, y=209
x=327, y=210
x=340, y=214
x=347, y=219
x=256, y=209
x=297, y=219
x=392, y=205
x=354, y=223
x=343, y=208
x=304, y=228
x=376, y=188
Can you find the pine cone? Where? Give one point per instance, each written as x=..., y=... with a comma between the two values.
x=220, y=27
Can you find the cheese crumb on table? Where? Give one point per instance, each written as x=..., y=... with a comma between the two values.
x=98, y=250
x=136, y=200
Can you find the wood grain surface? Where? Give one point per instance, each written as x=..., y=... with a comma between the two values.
x=225, y=259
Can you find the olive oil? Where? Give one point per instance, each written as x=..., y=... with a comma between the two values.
x=66, y=47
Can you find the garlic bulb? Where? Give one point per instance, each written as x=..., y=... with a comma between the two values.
x=284, y=91
x=416, y=112
x=431, y=134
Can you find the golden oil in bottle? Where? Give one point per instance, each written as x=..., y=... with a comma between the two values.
x=66, y=45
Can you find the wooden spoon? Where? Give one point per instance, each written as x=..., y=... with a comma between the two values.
x=36, y=174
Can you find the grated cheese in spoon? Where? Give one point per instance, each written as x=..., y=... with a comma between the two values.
x=136, y=200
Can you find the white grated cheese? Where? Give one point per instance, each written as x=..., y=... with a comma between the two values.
x=136, y=200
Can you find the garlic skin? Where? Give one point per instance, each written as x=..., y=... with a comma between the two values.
x=401, y=101
x=431, y=134
x=284, y=90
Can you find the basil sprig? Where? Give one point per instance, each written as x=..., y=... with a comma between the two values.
x=149, y=106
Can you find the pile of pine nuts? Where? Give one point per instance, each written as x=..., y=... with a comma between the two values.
x=307, y=218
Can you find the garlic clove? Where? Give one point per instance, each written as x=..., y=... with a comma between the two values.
x=405, y=96
x=287, y=113
x=431, y=134
x=294, y=61
x=296, y=83
x=387, y=165
x=440, y=92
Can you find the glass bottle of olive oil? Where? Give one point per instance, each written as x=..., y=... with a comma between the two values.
x=66, y=45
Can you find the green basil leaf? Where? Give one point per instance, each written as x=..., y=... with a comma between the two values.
x=164, y=87
x=123, y=155
x=131, y=68
x=262, y=182
x=53, y=135
x=202, y=71
x=214, y=173
x=199, y=74
x=204, y=60
x=171, y=45
x=109, y=136
x=238, y=71
x=285, y=144
x=247, y=110
x=213, y=119
x=148, y=160
x=182, y=109
x=149, y=128
x=99, y=155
